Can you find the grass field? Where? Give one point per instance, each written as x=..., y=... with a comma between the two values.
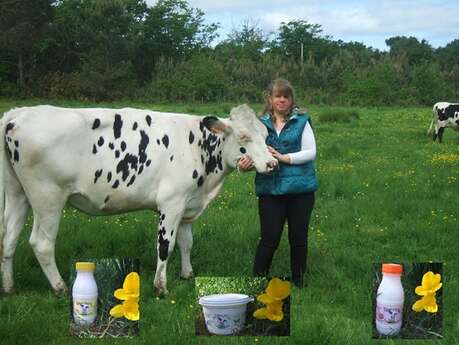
x=387, y=194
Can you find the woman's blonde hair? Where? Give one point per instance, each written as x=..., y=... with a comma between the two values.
x=278, y=86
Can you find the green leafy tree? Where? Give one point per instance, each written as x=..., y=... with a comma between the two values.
x=200, y=78
x=173, y=30
x=429, y=83
x=22, y=25
x=448, y=56
x=246, y=42
x=93, y=40
x=376, y=85
x=107, y=65
x=416, y=51
x=356, y=53
x=452, y=76
x=294, y=34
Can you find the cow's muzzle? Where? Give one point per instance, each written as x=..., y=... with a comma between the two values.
x=272, y=165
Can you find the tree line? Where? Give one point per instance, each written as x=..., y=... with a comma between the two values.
x=113, y=49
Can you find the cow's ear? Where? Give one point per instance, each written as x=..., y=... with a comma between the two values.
x=215, y=125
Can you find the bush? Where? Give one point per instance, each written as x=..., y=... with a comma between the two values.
x=339, y=115
x=430, y=84
x=59, y=85
x=101, y=81
x=199, y=79
x=377, y=85
x=8, y=89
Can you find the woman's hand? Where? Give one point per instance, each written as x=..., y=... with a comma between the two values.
x=245, y=163
x=279, y=156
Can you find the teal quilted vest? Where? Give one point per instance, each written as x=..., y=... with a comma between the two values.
x=288, y=179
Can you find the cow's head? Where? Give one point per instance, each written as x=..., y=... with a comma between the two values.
x=243, y=134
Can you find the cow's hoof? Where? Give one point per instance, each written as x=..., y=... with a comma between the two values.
x=61, y=290
x=9, y=290
x=161, y=292
x=187, y=276
x=61, y=293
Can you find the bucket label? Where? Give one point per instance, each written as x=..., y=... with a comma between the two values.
x=224, y=323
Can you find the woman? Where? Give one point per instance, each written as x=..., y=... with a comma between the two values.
x=288, y=193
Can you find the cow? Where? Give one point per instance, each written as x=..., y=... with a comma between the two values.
x=111, y=161
x=444, y=115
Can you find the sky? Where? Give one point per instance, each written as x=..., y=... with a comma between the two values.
x=368, y=22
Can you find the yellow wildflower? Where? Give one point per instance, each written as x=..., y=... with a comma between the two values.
x=428, y=288
x=427, y=302
x=430, y=284
x=276, y=291
x=445, y=158
x=131, y=287
x=129, y=294
x=129, y=309
x=273, y=311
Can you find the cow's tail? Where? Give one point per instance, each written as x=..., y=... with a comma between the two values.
x=3, y=122
x=430, y=127
x=434, y=118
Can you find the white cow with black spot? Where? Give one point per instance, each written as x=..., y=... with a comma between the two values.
x=110, y=161
x=445, y=114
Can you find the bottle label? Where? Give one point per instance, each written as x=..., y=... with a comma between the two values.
x=389, y=313
x=84, y=310
x=388, y=317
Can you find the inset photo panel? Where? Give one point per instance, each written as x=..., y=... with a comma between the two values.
x=104, y=298
x=242, y=306
x=407, y=300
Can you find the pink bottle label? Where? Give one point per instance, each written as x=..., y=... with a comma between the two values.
x=388, y=313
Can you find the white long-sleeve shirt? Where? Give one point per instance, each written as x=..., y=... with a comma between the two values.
x=308, y=147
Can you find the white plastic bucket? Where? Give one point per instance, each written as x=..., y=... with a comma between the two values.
x=224, y=313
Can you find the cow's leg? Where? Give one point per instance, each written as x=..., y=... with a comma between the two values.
x=43, y=238
x=185, y=242
x=440, y=134
x=435, y=135
x=169, y=220
x=16, y=210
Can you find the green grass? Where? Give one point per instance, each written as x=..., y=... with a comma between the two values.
x=338, y=115
x=387, y=194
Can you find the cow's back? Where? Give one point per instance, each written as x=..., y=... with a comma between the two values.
x=448, y=112
x=38, y=138
x=106, y=160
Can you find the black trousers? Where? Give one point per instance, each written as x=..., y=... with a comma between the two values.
x=274, y=210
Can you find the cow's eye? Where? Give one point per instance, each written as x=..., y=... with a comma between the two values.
x=243, y=150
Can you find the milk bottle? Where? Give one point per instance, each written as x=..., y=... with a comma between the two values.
x=389, y=300
x=84, y=293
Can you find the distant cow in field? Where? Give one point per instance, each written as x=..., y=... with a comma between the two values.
x=444, y=115
x=110, y=161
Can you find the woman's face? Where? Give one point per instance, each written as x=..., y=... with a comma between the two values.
x=281, y=104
